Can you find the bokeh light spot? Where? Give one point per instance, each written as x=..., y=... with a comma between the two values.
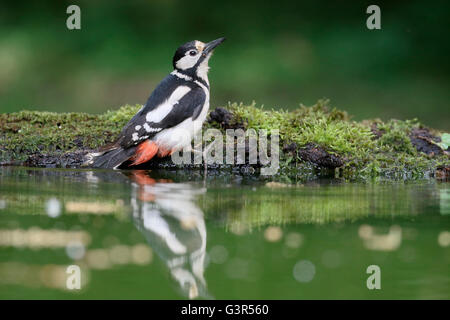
x=53, y=208
x=304, y=271
x=218, y=254
x=444, y=239
x=273, y=234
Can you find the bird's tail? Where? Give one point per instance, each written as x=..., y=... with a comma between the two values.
x=109, y=159
x=113, y=155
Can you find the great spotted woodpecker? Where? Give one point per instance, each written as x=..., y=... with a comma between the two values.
x=173, y=114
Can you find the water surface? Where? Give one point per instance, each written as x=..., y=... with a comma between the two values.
x=169, y=235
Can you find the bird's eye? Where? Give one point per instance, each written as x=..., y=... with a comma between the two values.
x=192, y=52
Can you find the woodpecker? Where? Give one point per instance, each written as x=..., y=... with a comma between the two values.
x=167, y=215
x=173, y=114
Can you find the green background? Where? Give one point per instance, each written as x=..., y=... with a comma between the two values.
x=278, y=53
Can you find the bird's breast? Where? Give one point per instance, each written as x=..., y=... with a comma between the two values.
x=181, y=135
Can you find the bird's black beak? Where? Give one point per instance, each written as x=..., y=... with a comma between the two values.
x=210, y=46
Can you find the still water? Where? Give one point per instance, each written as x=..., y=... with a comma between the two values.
x=169, y=235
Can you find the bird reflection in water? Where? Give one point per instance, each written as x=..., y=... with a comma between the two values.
x=167, y=215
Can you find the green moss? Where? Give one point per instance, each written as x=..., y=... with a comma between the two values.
x=391, y=155
x=27, y=132
x=396, y=136
x=389, y=152
x=331, y=130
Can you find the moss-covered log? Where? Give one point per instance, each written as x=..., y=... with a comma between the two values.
x=314, y=141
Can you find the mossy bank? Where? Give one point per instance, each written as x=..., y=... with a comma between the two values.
x=314, y=141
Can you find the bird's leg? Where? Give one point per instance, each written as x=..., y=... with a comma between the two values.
x=205, y=152
x=195, y=150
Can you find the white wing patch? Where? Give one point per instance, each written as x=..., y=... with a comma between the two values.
x=150, y=129
x=164, y=109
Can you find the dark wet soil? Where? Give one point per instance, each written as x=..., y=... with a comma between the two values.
x=314, y=154
x=64, y=160
x=224, y=119
x=443, y=173
x=318, y=156
x=423, y=140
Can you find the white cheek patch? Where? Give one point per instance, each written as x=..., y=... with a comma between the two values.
x=187, y=62
x=164, y=109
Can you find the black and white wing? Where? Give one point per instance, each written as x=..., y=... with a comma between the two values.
x=172, y=102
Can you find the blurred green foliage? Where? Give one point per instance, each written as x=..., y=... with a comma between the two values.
x=278, y=53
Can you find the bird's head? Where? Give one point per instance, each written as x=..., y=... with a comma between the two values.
x=192, y=58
